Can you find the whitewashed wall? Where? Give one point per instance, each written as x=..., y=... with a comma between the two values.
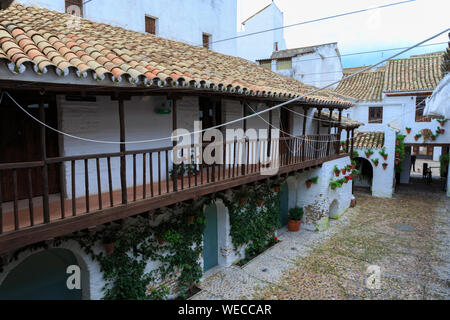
x=383, y=180
x=320, y=203
x=261, y=46
x=180, y=20
x=321, y=68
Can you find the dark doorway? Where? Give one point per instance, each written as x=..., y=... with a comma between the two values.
x=20, y=142
x=210, y=112
x=286, y=126
x=365, y=176
x=42, y=276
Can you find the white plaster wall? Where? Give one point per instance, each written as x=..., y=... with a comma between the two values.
x=261, y=46
x=317, y=200
x=398, y=113
x=383, y=180
x=318, y=69
x=180, y=20
x=99, y=121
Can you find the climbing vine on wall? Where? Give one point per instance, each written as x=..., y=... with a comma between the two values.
x=399, y=152
x=135, y=244
x=251, y=222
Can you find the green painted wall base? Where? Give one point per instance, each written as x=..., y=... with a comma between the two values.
x=337, y=215
x=322, y=225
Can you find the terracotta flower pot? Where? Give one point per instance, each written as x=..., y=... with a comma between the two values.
x=397, y=154
x=190, y=219
x=294, y=226
x=344, y=171
x=308, y=184
x=109, y=248
x=276, y=189
x=260, y=203
x=337, y=173
x=385, y=157
x=160, y=240
x=408, y=131
x=353, y=203
x=442, y=131
x=397, y=142
x=385, y=166
x=368, y=155
x=242, y=201
x=376, y=164
x=416, y=138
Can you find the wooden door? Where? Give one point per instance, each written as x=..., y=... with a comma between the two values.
x=210, y=239
x=20, y=142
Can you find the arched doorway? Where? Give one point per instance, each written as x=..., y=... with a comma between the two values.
x=365, y=177
x=333, y=212
x=210, y=239
x=284, y=204
x=41, y=276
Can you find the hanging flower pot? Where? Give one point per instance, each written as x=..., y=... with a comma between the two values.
x=276, y=189
x=397, y=142
x=433, y=138
x=160, y=239
x=344, y=171
x=190, y=219
x=441, y=131
x=242, y=201
x=408, y=130
x=397, y=154
x=308, y=184
x=260, y=203
x=109, y=248
x=385, y=165
x=336, y=171
x=417, y=136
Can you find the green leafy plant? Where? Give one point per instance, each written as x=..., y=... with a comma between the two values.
x=383, y=153
x=355, y=155
x=368, y=153
x=444, y=161
x=295, y=214
x=336, y=171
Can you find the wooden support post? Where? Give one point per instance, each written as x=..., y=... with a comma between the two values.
x=305, y=112
x=338, y=147
x=348, y=139
x=330, y=119
x=45, y=167
x=174, y=127
x=351, y=141
x=319, y=123
x=123, y=163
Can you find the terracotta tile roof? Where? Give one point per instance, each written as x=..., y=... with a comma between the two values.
x=417, y=73
x=366, y=86
x=368, y=140
x=345, y=122
x=289, y=53
x=39, y=40
x=414, y=74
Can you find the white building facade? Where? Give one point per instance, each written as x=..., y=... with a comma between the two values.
x=189, y=21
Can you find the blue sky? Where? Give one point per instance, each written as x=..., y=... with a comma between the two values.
x=392, y=27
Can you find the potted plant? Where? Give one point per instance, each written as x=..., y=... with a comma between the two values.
x=433, y=138
x=408, y=130
x=336, y=171
x=385, y=165
x=294, y=219
x=368, y=153
x=109, y=237
x=353, y=165
x=242, y=196
x=260, y=203
x=441, y=130
x=442, y=122
x=417, y=136
x=344, y=170
x=311, y=181
x=355, y=154
x=276, y=189
x=383, y=154
x=376, y=162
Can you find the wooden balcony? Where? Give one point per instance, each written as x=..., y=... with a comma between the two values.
x=92, y=191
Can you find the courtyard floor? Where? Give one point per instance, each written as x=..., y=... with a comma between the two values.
x=406, y=237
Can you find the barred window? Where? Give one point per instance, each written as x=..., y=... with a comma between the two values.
x=375, y=114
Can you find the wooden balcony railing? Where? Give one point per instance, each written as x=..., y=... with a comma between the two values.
x=90, y=184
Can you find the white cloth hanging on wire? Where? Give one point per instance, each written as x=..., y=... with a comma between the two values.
x=438, y=105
